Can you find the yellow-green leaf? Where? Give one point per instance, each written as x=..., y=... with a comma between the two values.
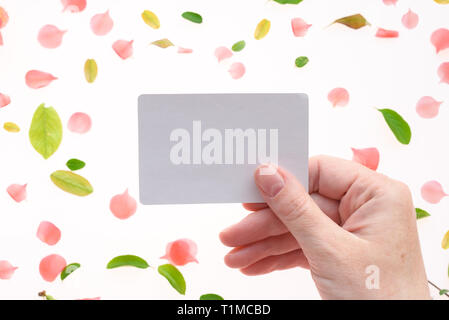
x=192, y=16
x=420, y=213
x=163, y=43
x=45, y=131
x=174, y=277
x=398, y=125
x=72, y=183
x=127, y=261
x=445, y=242
x=69, y=269
x=151, y=19
x=355, y=21
x=262, y=29
x=442, y=1
x=90, y=70
x=211, y=296
x=11, y=127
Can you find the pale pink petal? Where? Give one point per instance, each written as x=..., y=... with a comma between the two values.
x=37, y=79
x=18, y=192
x=48, y=233
x=443, y=72
x=51, y=266
x=50, y=37
x=390, y=2
x=1, y=39
x=181, y=252
x=432, y=192
x=300, y=27
x=368, y=157
x=428, y=107
x=4, y=18
x=237, y=70
x=123, y=48
x=222, y=53
x=184, y=50
x=6, y=270
x=4, y=100
x=384, y=33
x=410, y=19
x=74, y=5
x=123, y=205
x=101, y=24
x=85, y=299
x=338, y=97
x=79, y=122
x=440, y=39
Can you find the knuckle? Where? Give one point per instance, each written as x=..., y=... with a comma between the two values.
x=295, y=207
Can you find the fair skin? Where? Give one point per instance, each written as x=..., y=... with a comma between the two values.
x=351, y=218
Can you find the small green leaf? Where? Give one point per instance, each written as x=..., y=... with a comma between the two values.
x=163, y=43
x=211, y=296
x=398, y=125
x=301, y=61
x=127, y=261
x=192, y=16
x=174, y=276
x=239, y=46
x=262, y=29
x=45, y=131
x=445, y=241
x=151, y=19
x=75, y=164
x=288, y=1
x=90, y=70
x=355, y=21
x=11, y=127
x=444, y=291
x=420, y=213
x=69, y=269
x=72, y=183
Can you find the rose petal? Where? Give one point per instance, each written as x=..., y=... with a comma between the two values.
x=338, y=97
x=237, y=70
x=74, y=5
x=368, y=157
x=38, y=79
x=123, y=205
x=443, y=72
x=4, y=100
x=51, y=266
x=101, y=24
x=123, y=48
x=410, y=19
x=428, y=107
x=79, y=122
x=440, y=39
x=384, y=33
x=48, y=233
x=181, y=252
x=222, y=53
x=1, y=39
x=299, y=27
x=96, y=298
x=17, y=192
x=184, y=50
x=432, y=192
x=50, y=37
x=390, y=2
x=4, y=18
x=6, y=270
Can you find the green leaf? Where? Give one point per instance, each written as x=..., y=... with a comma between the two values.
x=398, y=125
x=239, y=46
x=69, y=269
x=49, y=297
x=127, y=261
x=262, y=29
x=75, y=164
x=301, y=61
x=420, y=213
x=288, y=1
x=211, y=296
x=163, y=43
x=151, y=19
x=45, y=131
x=90, y=70
x=355, y=21
x=445, y=241
x=11, y=127
x=192, y=16
x=72, y=183
x=174, y=276
x=444, y=291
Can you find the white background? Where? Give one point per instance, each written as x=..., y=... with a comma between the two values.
x=391, y=73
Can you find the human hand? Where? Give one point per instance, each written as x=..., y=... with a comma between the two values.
x=354, y=221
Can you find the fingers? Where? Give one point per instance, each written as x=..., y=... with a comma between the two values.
x=254, y=206
x=286, y=261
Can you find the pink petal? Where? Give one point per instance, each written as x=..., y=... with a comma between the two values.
x=4, y=100
x=432, y=192
x=300, y=27
x=184, y=50
x=222, y=53
x=74, y=5
x=1, y=39
x=101, y=24
x=338, y=97
x=51, y=266
x=440, y=39
x=181, y=252
x=123, y=48
x=17, y=192
x=384, y=33
x=48, y=233
x=390, y=2
x=368, y=157
x=443, y=72
x=410, y=19
x=37, y=79
x=428, y=107
x=85, y=299
x=80, y=123
x=50, y=37
x=4, y=18
x=6, y=270
x=237, y=70
x=123, y=205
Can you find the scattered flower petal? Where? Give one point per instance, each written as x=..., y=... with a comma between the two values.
x=123, y=48
x=181, y=252
x=428, y=107
x=84, y=299
x=410, y=19
x=79, y=122
x=300, y=27
x=443, y=72
x=101, y=24
x=384, y=33
x=390, y=2
x=184, y=50
x=50, y=37
x=123, y=205
x=222, y=53
x=433, y=192
x=18, y=192
x=74, y=5
x=440, y=39
x=4, y=100
x=48, y=233
x=338, y=97
x=11, y=127
x=237, y=70
x=38, y=79
x=6, y=270
x=368, y=157
x=4, y=18
x=1, y=39
x=51, y=266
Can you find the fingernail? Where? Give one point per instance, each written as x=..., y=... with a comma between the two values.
x=271, y=184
